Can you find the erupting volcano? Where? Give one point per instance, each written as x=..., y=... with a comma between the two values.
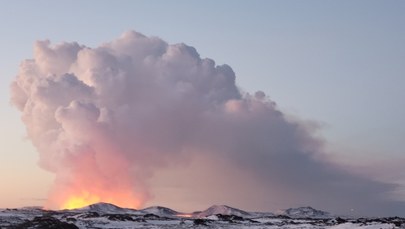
x=85, y=198
x=96, y=177
x=106, y=119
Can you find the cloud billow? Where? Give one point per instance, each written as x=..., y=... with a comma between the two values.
x=104, y=119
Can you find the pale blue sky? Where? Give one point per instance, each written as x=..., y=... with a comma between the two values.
x=340, y=63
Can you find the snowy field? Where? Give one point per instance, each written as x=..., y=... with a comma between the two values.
x=110, y=216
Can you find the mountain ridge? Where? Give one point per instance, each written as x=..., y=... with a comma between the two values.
x=298, y=212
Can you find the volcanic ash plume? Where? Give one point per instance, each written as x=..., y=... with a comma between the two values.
x=104, y=119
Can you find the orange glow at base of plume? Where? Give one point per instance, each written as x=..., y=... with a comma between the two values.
x=184, y=215
x=85, y=199
x=80, y=201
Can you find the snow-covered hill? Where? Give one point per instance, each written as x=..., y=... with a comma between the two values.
x=161, y=211
x=105, y=208
x=223, y=210
x=305, y=212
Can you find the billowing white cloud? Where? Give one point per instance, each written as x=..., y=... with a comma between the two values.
x=105, y=119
